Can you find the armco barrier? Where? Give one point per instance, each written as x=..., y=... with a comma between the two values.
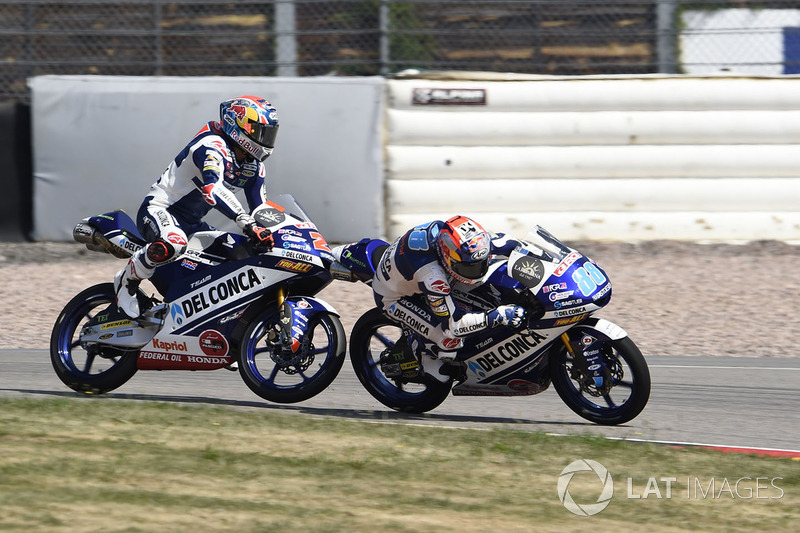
x=694, y=158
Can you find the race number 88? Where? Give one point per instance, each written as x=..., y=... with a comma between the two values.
x=588, y=277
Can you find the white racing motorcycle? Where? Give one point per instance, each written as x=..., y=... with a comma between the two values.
x=594, y=366
x=224, y=302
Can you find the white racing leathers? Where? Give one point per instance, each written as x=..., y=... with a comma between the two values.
x=412, y=287
x=204, y=175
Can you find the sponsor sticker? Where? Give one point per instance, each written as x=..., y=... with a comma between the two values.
x=448, y=96
x=566, y=263
x=294, y=267
x=117, y=324
x=528, y=270
x=269, y=217
x=571, y=320
x=212, y=343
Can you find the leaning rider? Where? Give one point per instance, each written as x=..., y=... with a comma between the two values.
x=221, y=158
x=413, y=282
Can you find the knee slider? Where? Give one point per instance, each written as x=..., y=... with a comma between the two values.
x=161, y=251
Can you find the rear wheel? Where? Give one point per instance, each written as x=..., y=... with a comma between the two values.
x=622, y=395
x=90, y=368
x=271, y=370
x=373, y=333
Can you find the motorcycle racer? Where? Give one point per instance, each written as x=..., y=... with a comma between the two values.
x=413, y=281
x=223, y=157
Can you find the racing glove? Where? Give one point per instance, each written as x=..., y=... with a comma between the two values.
x=505, y=315
x=261, y=236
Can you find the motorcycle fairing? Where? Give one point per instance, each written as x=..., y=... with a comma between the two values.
x=232, y=286
x=205, y=344
x=113, y=232
x=116, y=223
x=509, y=363
x=506, y=355
x=114, y=328
x=488, y=375
x=209, y=350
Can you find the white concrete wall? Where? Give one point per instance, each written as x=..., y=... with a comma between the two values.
x=712, y=158
x=100, y=142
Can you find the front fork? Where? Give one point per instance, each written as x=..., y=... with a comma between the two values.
x=286, y=319
x=296, y=316
x=591, y=367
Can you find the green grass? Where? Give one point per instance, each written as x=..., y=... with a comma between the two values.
x=98, y=465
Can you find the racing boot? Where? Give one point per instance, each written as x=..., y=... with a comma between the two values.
x=399, y=361
x=448, y=355
x=126, y=284
x=434, y=367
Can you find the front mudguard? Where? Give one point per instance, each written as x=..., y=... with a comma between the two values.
x=297, y=313
x=584, y=342
x=600, y=329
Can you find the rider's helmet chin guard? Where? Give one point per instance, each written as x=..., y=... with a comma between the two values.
x=464, y=247
x=252, y=123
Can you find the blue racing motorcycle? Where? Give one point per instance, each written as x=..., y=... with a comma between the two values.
x=594, y=366
x=224, y=303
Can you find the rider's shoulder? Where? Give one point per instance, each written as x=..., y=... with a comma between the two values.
x=419, y=241
x=212, y=140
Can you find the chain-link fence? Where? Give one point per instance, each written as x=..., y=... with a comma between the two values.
x=307, y=38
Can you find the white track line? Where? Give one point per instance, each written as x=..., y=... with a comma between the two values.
x=726, y=367
x=730, y=447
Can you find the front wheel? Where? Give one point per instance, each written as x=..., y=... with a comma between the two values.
x=90, y=368
x=619, y=399
x=373, y=333
x=271, y=370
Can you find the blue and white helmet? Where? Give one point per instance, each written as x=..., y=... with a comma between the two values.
x=252, y=123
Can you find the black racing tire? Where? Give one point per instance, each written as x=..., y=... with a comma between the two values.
x=270, y=371
x=90, y=370
x=373, y=333
x=631, y=384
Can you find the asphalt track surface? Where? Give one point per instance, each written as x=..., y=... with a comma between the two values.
x=720, y=401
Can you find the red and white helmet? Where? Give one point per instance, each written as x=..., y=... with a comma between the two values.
x=464, y=248
x=252, y=123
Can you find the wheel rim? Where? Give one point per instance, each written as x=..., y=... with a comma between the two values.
x=605, y=401
x=276, y=367
x=91, y=361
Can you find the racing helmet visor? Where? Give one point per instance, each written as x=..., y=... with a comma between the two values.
x=472, y=269
x=262, y=134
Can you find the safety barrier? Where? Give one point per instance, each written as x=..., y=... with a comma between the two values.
x=654, y=157
x=693, y=158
